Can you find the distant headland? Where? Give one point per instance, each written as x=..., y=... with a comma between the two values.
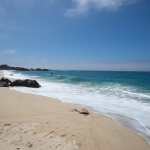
x=6, y=67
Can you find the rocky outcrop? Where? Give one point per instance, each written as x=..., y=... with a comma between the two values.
x=5, y=82
x=31, y=69
x=39, y=69
x=25, y=83
x=6, y=67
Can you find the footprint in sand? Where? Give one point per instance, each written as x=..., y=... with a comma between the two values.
x=63, y=135
x=29, y=144
x=7, y=124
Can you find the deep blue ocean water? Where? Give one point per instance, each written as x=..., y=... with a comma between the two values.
x=124, y=96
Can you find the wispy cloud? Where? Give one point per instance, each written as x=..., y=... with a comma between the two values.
x=9, y=51
x=83, y=6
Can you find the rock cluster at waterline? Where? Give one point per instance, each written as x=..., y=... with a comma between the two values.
x=25, y=83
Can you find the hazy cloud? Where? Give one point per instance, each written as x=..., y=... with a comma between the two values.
x=32, y=62
x=9, y=51
x=83, y=6
x=104, y=66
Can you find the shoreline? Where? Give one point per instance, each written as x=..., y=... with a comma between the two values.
x=123, y=120
x=98, y=129
x=128, y=123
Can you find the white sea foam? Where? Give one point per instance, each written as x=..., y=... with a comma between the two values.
x=113, y=100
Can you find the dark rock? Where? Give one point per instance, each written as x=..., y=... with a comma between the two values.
x=45, y=70
x=17, y=83
x=26, y=83
x=4, y=82
x=38, y=69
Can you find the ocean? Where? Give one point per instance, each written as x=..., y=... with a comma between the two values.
x=123, y=96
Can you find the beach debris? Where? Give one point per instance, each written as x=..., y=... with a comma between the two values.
x=83, y=111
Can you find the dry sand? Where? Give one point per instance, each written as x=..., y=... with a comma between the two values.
x=39, y=123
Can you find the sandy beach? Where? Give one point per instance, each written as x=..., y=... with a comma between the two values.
x=40, y=123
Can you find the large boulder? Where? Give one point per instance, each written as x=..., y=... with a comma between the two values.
x=26, y=83
x=5, y=82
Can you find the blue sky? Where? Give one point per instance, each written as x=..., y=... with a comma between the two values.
x=76, y=34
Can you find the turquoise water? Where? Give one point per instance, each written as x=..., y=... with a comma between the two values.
x=124, y=96
x=136, y=82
